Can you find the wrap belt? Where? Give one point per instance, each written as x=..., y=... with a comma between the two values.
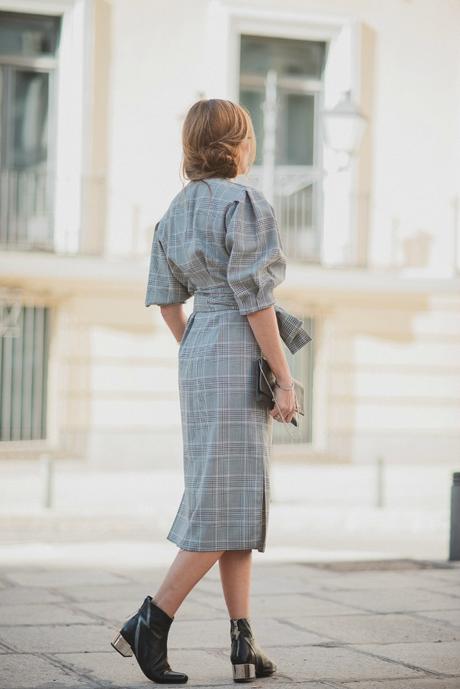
x=222, y=298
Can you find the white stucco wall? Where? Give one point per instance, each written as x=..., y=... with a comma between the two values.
x=386, y=377
x=160, y=66
x=387, y=374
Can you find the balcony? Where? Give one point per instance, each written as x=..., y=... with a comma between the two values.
x=297, y=206
x=26, y=202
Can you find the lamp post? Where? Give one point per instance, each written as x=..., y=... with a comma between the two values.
x=343, y=127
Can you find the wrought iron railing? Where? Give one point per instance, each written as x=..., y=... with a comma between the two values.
x=297, y=205
x=24, y=347
x=26, y=209
x=27, y=220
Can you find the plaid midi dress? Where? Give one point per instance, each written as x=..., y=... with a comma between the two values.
x=219, y=242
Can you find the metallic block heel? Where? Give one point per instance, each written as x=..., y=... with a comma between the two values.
x=247, y=658
x=244, y=672
x=121, y=645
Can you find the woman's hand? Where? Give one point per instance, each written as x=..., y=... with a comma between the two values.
x=287, y=403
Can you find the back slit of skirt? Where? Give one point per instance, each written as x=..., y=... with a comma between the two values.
x=264, y=521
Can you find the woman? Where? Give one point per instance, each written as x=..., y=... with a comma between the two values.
x=219, y=241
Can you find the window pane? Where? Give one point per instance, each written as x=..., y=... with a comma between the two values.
x=295, y=140
x=28, y=118
x=23, y=376
x=28, y=35
x=253, y=101
x=25, y=190
x=289, y=57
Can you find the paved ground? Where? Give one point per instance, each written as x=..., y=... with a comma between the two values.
x=363, y=625
x=70, y=574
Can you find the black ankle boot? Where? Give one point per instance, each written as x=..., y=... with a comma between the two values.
x=146, y=634
x=247, y=658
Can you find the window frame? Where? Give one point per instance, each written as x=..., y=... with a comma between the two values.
x=309, y=86
x=72, y=90
x=46, y=64
x=346, y=36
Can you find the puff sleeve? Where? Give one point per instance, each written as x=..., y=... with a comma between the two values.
x=257, y=261
x=163, y=285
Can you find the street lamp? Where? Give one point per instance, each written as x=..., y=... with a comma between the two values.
x=344, y=126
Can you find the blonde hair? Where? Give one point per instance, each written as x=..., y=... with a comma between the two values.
x=211, y=135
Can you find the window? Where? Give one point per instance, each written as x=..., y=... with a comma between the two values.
x=28, y=44
x=281, y=84
x=301, y=366
x=23, y=374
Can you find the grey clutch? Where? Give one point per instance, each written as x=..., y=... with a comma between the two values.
x=265, y=394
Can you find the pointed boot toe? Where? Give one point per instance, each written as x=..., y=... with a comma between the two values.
x=146, y=636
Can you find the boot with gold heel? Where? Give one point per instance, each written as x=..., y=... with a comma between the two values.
x=247, y=658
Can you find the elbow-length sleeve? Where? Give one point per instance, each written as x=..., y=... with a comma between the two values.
x=257, y=261
x=163, y=285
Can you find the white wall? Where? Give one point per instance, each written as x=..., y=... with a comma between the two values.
x=116, y=375
x=390, y=382
x=387, y=377
x=160, y=67
x=157, y=73
x=394, y=382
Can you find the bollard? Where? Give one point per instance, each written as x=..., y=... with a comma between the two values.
x=379, y=477
x=47, y=478
x=454, y=550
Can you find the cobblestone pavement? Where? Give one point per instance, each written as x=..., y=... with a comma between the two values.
x=358, y=625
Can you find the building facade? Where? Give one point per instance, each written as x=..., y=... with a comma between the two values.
x=356, y=108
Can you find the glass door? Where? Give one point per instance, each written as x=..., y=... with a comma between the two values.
x=27, y=66
x=281, y=84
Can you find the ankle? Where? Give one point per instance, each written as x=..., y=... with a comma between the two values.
x=164, y=607
x=245, y=616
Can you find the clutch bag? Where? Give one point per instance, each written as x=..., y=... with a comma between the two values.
x=265, y=394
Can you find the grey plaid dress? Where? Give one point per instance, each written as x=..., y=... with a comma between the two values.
x=219, y=241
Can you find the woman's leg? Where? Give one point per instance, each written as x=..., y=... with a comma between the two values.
x=247, y=657
x=235, y=573
x=186, y=570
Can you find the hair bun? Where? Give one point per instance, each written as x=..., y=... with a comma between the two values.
x=219, y=159
x=211, y=137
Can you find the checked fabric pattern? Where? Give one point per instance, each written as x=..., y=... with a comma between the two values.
x=219, y=242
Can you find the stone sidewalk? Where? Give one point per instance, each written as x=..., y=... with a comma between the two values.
x=391, y=624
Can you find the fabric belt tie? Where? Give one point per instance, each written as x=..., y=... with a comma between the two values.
x=291, y=328
x=214, y=299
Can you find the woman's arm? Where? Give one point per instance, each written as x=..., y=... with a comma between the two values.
x=265, y=328
x=175, y=318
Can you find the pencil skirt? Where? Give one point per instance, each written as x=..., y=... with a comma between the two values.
x=227, y=436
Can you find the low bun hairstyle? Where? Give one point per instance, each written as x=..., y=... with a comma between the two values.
x=211, y=135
